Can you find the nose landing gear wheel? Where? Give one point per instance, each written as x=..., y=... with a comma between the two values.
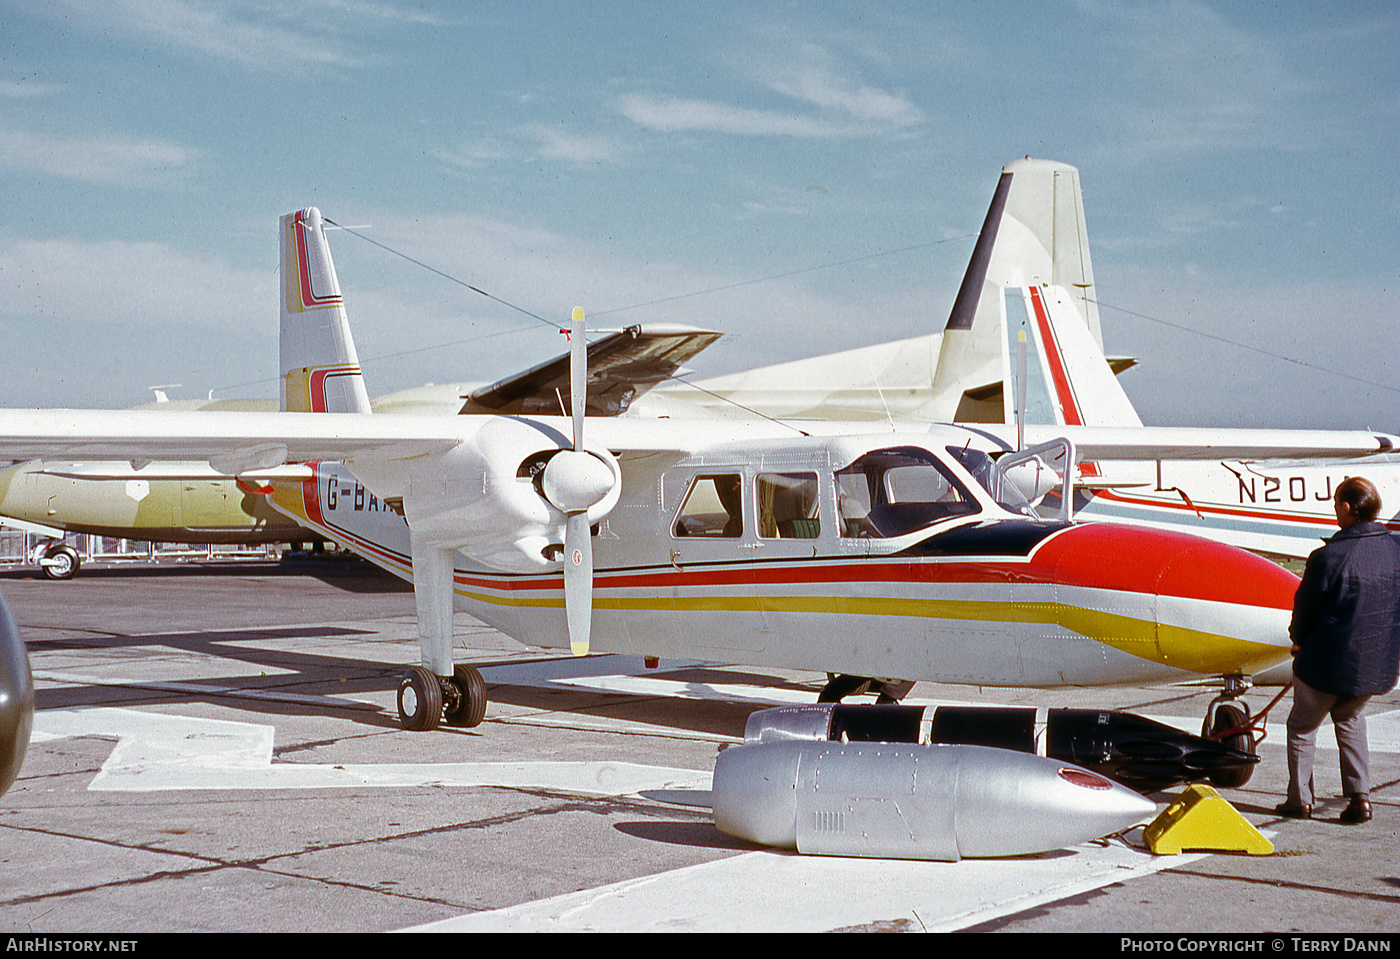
x=420, y=699
x=1229, y=716
x=61, y=562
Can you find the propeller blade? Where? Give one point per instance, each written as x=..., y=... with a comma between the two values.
x=578, y=581
x=578, y=374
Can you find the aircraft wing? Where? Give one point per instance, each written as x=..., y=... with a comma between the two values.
x=1145, y=443
x=181, y=470
x=621, y=367
x=240, y=442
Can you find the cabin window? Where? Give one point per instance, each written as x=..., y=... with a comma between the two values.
x=787, y=506
x=713, y=507
x=896, y=491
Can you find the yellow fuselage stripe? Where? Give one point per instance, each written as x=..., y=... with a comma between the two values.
x=1178, y=646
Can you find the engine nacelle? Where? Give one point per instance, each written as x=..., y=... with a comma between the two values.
x=481, y=496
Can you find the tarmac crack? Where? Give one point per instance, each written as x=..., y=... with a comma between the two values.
x=204, y=864
x=290, y=748
x=1288, y=884
x=209, y=863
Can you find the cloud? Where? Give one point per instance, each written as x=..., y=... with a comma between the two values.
x=555, y=144
x=537, y=141
x=828, y=101
x=119, y=282
x=475, y=153
x=673, y=114
x=1188, y=80
x=862, y=104
x=273, y=37
x=116, y=160
x=23, y=88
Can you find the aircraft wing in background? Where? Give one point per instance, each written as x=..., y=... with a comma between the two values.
x=621, y=367
x=1149, y=443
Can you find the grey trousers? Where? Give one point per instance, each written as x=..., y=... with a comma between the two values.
x=1310, y=708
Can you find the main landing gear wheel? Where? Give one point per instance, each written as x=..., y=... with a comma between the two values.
x=1229, y=716
x=420, y=699
x=61, y=562
x=464, y=701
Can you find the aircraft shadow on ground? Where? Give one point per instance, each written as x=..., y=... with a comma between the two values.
x=338, y=679
x=350, y=576
x=341, y=680
x=700, y=713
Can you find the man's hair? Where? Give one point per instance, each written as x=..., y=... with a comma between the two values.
x=1361, y=495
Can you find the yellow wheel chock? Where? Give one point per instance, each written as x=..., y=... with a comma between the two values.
x=1201, y=820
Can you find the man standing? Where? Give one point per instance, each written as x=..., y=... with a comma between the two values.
x=1346, y=646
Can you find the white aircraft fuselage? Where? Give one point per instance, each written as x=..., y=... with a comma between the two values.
x=867, y=553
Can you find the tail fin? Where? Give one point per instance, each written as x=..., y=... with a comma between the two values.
x=1034, y=235
x=320, y=371
x=1068, y=380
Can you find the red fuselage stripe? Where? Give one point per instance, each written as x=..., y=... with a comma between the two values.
x=1099, y=556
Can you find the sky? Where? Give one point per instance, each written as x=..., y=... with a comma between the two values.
x=803, y=177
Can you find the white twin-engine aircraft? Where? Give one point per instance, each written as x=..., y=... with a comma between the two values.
x=846, y=547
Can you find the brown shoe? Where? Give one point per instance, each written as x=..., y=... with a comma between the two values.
x=1357, y=811
x=1295, y=810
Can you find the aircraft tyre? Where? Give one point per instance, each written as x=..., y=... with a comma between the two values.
x=470, y=695
x=64, y=562
x=1228, y=716
x=420, y=699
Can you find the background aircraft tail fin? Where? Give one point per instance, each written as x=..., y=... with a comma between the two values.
x=1034, y=234
x=1068, y=380
x=320, y=370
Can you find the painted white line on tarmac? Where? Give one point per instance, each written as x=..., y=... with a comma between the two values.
x=156, y=752
x=770, y=891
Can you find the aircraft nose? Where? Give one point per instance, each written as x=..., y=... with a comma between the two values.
x=1208, y=588
x=1207, y=570
x=1184, y=601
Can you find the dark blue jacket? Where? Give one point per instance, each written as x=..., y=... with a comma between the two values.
x=1346, y=614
